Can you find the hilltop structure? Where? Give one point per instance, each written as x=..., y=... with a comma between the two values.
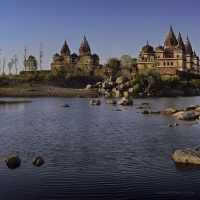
x=84, y=54
x=174, y=54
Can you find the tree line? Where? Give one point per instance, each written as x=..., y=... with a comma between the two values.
x=29, y=61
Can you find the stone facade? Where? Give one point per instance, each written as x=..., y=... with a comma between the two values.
x=174, y=54
x=84, y=54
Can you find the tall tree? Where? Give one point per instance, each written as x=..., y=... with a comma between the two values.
x=32, y=63
x=0, y=60
x=40, y=56
x=10, y=64
x=126, y=61
x=25, y=57
x=4, y=64
x=15, y=62
x=113, y=66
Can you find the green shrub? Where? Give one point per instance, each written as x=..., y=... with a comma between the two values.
x=137, y=87
x=49, y=76
x=5, y=82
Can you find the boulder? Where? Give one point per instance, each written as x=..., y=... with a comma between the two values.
x=125, y=102
x=119, y=93
x=197, y=109
x=126, y=94
x=189, y=155
x=170, y=110
x=89, y=87
x=131, y=92
x=106, y=85
x=121, y=79
x=112, y=79
x=38, y=161
x=110, y=102
x=12, y=161
x=117, y=109
x=191, y=107
x=63, y=105
x=95, y=102
x=142, y=106
x=145, y=112
x=186, y=115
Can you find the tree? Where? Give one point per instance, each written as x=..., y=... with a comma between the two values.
x=0, y=60
x=15, y=62
x=4, y=64
x=25, y=57
x=113, y=66
x=10, y=64
x=85, y=68
x=126, y=61
x=32, y=63
x=153, y=66
x=40, y=56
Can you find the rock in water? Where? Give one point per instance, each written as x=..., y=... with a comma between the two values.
x=12, y=161
x=125, y=102
x=110, y=102
x=185, y=115
x=95, y=102
x=38, y=161
x=63, y=105
x=190, y=155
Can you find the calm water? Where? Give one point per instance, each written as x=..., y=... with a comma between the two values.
x=93, y=152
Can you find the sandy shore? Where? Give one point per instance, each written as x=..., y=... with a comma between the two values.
x=45, y=91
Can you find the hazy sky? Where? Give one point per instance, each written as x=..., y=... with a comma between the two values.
x=112, y=27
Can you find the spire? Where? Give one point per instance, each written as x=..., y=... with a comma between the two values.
x=180, y=42
x=188, y=46
x=84, y=47
x=147, y=42
x=170, y=38
x=65, y=49
x=194, y=54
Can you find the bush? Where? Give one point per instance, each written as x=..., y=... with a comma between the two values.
x=49, y=76
x=5, y=82
x=137, y=87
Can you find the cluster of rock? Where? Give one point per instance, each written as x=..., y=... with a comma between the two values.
x=14, y=161
x=124, y=101
x=115, y=86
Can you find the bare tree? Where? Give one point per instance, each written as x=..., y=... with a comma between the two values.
x=4, y=64
x=10, y=64
x=40, y=56
x=15, y=62
x=25, y=57
x=0, y=60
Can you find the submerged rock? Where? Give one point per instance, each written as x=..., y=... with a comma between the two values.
x=12, y=161
x=38, y=161
x=190, y=155
x=63, y=105
x=110, y=102
x=95, y=102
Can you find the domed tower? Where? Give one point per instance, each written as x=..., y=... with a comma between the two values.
x=195, y=63
x=189, y=54
x=170, y=39
x=159, y=51
x=84, y=48
x=146, y=56
x=65, y=49
x=180, y=42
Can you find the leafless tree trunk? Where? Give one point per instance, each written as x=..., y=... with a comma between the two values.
x=0, y=60
x=15, y=61
x=10, y=64
x=41, y=56
x=4, y=64
x=25, y=57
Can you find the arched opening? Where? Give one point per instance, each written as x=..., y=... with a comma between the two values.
x=167, y=63
x=164, y=63
x=171, y=63
x=177, y=56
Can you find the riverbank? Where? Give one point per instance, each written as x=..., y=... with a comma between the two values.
x=45, y=91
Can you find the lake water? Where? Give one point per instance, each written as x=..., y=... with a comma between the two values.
x=93, y=152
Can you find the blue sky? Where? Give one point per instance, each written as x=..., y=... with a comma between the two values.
x=112, y=27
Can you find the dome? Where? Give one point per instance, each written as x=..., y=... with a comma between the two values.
x=159, y=48
x=56, y=55
x=147, y=48
x=74, y=55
